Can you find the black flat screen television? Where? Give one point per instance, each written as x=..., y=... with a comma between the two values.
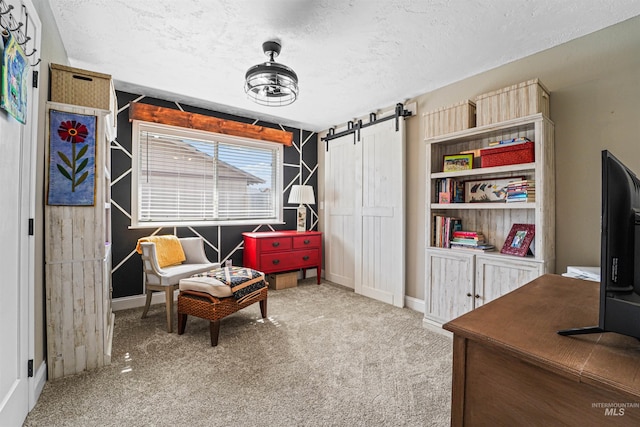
x=619, y=252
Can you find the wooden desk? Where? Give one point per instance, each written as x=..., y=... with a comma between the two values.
x=510, y=367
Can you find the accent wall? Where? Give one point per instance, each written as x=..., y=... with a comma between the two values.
x=221, y=242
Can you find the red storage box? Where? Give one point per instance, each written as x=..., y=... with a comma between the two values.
x=507, y=155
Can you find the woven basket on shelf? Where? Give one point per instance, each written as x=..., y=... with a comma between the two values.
x=80, y=87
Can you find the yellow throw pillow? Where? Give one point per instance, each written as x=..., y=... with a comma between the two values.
x=168, y=249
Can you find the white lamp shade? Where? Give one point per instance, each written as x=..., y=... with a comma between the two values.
x=302, y=194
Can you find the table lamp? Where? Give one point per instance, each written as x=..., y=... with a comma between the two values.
x=302, y=194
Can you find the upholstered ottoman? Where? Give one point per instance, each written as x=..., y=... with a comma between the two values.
x=218, y=293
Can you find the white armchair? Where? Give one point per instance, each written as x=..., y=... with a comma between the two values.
x=166, y=279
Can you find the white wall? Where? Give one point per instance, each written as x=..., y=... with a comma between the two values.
x=595, y=104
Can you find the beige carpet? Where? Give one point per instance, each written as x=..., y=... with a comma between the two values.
x=323, y=357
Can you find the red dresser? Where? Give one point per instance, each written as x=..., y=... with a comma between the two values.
x=278, y=251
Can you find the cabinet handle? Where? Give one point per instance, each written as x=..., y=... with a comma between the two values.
x=477, y=296
x=469, y=294
x=276, y=261
x=307, y=241
x=275, y=244
x=306, y=257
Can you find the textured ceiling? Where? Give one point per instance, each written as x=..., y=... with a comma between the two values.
x=352, y=57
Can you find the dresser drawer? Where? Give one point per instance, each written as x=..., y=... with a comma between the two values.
x=303, y=242
x=280, y=261
x=310, y=257
x=289, y=260
x=273, y=244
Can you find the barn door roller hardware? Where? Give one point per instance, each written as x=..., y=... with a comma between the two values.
x=354, y=128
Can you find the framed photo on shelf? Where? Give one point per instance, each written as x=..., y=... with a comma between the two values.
x=457, y=162
x=489, y=190
x=519, y=239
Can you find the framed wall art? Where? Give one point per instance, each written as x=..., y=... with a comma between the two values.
x=14, y=80
x=72, y=159
x=519, y=239
x=488, y=190
x=457, y=162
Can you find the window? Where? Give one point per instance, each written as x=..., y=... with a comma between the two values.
x=190, y=177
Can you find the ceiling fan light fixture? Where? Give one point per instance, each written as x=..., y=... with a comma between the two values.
x=271, y=83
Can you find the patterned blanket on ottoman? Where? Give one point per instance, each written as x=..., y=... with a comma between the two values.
x=244, y=282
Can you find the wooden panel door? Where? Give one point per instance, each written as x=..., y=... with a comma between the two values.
x=341, y=224
x=380, y=266
x=17, y=173
x=13, y=351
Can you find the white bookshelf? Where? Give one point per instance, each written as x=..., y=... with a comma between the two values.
x=460, y=280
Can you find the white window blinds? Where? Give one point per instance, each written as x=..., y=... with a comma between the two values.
x=183, y=176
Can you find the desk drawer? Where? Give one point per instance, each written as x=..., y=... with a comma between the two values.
x=305, y=242
x=273, y=244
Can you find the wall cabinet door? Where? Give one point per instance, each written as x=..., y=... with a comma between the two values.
x=498, y=276
x=450, y=290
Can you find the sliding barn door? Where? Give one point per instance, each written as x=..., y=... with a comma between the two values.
x=380, y=206
x=340, y=220
x=364, y=211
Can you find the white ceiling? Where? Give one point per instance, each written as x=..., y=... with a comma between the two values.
x=352, y=57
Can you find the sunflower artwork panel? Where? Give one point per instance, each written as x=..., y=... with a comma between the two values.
x=72, y=159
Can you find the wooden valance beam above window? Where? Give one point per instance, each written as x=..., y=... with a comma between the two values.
x=169, y=116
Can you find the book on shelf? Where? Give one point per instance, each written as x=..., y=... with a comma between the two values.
x=443, y=229
x=464, y=234
x=521, y=139
x=466, y=239
x=522, y=183
x=475, y=152
x=521, y=191
x=487, y=150
x=527, y=199
x=480, y=248
x=467, y=242
x=452, y=187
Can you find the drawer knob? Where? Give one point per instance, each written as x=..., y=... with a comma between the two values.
x=307, y=241
x=276, y=261
x=275, y=244
x=306, y=257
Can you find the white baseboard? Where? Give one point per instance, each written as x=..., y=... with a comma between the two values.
x=435, y=327
x=135, y=301
x=414, y=304
x=36, y=384
x=125, y=303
